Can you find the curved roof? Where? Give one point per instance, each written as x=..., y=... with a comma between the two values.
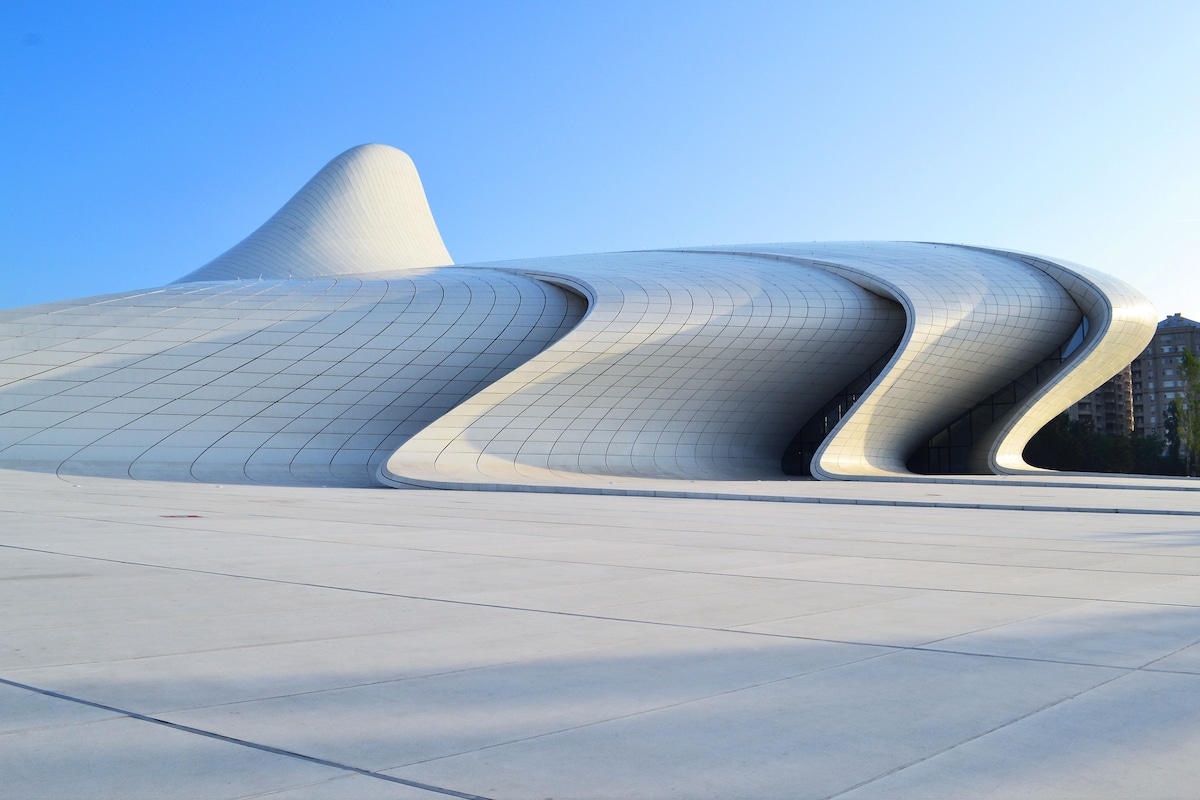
x=1122, y=323
x=294, y=381
x=353, y=353
x=687, y=365
x=975, y=322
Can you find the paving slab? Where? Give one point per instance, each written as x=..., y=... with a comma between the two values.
x=120, y=758
x=806, y=737
x=1133, y=737
x=309, y=643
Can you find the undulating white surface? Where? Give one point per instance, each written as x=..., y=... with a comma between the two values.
x=548, y=645
x=330, y=347
x=976, y=322
x=687, y=365
x=704, y=364
x=294, y=381
x=1122, y=323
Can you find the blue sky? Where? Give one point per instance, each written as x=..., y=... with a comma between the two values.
x=139, y=140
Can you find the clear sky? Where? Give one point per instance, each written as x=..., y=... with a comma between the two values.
x=140, y=140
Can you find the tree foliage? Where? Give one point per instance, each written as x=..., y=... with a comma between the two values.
x=1077, y=447
x=1186, y=408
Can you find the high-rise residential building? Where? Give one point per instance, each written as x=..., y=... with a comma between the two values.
x=1110, y=407
x=1155, y=373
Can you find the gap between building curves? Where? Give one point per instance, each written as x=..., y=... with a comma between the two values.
x=1122, y=323
x=959, y=312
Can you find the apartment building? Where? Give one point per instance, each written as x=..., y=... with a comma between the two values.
x=1155, y=373
x=1110, y=407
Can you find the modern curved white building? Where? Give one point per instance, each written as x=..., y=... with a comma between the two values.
x=339, y=345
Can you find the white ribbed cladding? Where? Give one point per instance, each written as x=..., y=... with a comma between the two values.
x=300, y=381
x=365, y=211
x=976, y=322
x=688, y=365
x=1121, y=323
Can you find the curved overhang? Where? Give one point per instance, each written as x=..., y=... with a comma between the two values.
x=1121, y=324
x=975, y=321
x=688, y=365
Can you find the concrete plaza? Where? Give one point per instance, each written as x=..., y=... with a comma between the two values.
x=184, y=639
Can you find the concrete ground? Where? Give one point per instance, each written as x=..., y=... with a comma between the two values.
x=167, y=639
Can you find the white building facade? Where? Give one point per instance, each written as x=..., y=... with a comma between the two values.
x=338, y=345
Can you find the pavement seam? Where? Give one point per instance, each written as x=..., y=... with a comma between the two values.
x=562, y=523
x=579, y=615
x=969, y=739
x=401, y=548
x=241, y=742
x=1127, y=672
x=863, y=504
x=644, y=711
x=335, y=542
x=663, y=570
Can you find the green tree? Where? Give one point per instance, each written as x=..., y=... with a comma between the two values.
x=1186, y=406
x=1078, y=447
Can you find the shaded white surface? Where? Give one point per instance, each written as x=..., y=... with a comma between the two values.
x=567, y=646
x=1122, y=324
x=976, y=321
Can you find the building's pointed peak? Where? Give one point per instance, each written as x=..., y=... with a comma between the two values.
x=365, y=211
